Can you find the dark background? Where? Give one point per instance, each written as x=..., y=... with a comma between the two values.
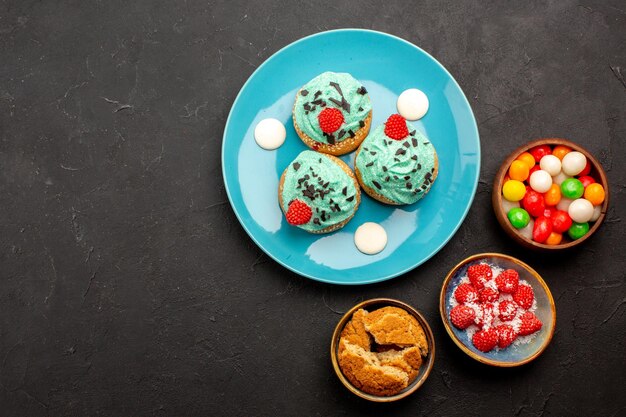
x=127, y=286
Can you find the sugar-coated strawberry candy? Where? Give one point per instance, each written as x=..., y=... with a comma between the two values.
x=529, y=324
x=396, y=128
x=465, y=293
x=479, y=274
x=524, y=296
x=561, y=221
x=534, y=203
x=485, y=340
x=507, y=310
x=462, y=316
x=298, y=213
x=540, y=151
x=542, y=229
x=486, y=315
x=488, y=294
x=330, y=119
x=506, y=335
x=508, y=281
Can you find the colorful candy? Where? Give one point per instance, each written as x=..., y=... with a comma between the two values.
x=581, y=210
x=549, y=192
x=578, y=230
x=518, y=217
x=595, y=194
x=553, y=195
x=540, y=181
x=513, y=190
x=534, y=203
x=574, y=163
x=551, y=164
x=572, y=188
x=542, y=229
x=527, y=158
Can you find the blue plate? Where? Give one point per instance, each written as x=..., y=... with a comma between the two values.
x=386, y=65
x=513, y=355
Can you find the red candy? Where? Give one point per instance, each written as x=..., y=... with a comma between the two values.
x=330, y=119
x=395, y=127
x=533, y=169
x=549, y=211
x=586, y=180
x=542, y=229
x=561, y=221
x=533, y=202
x=540, y=151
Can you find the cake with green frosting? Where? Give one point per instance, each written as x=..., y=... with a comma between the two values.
x=332, y=113
x=318, y=192
x=396, y=164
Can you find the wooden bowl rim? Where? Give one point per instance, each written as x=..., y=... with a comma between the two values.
x=460, y=344
x=430, y=359
x=497, y=194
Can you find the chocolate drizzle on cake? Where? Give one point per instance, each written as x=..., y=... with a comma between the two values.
x=304, y=93
x=361, y=90
x=296, y=166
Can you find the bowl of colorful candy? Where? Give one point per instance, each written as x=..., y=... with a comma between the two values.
x=497, y=309
x=550, y=194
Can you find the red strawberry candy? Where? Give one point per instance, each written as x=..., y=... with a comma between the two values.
x=486, y=316
x=330, y=119
x=485, y=340
x=534, y=203
x=561, y=221
x=524, y=296
x=507, y=310
x=508, y=281
x=479, y=274
x=488, y=294
x=530, y=324
x=542, y=229
x=465, y=293
x=462, y=316
x=506, y=335
x=395, y=127
x=298, y=213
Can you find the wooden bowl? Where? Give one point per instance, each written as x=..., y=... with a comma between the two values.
x=597, y=172
x=427, y=363
x=512, y=355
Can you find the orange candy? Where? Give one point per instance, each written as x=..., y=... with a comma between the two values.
x=518, y=170
x=560, y=151
x=553, y=195
x=526, y=158
x=595, y=194
x=554, y=239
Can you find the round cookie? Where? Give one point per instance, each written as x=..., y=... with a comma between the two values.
x=332, y=113
x=318, y=193
x=396, y=164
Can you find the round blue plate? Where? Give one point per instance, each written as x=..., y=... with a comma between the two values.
x=386, y=65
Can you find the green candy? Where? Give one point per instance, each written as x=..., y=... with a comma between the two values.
x=578, y=230
x=518, y=217
x=572, y=188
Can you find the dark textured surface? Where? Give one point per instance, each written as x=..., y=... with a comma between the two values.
x=127, y=286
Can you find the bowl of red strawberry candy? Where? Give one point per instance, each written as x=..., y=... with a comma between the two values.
x=497, y=309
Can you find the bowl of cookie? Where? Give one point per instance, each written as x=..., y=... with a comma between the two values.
x=382, y=350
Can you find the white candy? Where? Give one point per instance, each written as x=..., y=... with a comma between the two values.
x=412, y=104
x=540, y=181
x=581, y=210
x=551, y=164
x=563, y=204
x=573, y=163
x=527, y=231
x=269, y=134
x=559, y=178
x=370, y=238
x=597, y=210
x=508, y=205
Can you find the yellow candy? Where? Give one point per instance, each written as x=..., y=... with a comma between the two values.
x=595, y=194
x=513, y=190
x=518, y=171
x=553, y=195
x=560, y=151
x=554, y=239
x=526, y=158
